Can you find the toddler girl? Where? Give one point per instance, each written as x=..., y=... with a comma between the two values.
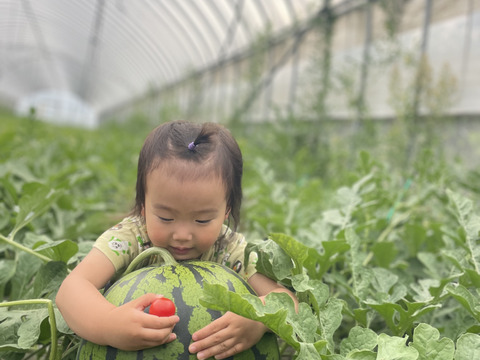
x=188, y=185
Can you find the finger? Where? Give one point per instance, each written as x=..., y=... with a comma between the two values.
x=212, y=328
x=230, y=352
x=150, y=343
x=145, y=300
x=156, y=322
x=158, y=337
x=210, y=343
x=222, y=350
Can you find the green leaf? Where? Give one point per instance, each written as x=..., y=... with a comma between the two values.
x=349, y=200
x=394, y=348
x=49, y=279
x=470, y=223
x=4, y=216
x=36, y=199
x=316, y=291
x=272, y=262
x=308, y=352
x=11, y=196
x=468, y=347
x=298, y=252
x=426, y=341
x=383, y=280
x=330, y=318
x=27, y=267
x=60, y=250
x=470, y=302
x=278, y=313
x=332, y=251
x=361, y=276
x=62, y=325
x=7, y=270
x=474, y=277
x=29, y=330
x=399, y=319
x=10, y=321
x=361, y=355
x=385, y=253
x=422, y=288
x=359, y=339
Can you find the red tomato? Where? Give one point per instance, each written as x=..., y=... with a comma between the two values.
x=162, y=307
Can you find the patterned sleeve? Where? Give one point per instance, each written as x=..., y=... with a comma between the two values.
x=233, y=256
x=121, y=243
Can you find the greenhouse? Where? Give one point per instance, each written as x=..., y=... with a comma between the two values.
x=358, y=123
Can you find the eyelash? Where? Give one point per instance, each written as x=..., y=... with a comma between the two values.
x=198, y=221
x=203, y=221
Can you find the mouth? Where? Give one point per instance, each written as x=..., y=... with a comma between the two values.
x=179, y=251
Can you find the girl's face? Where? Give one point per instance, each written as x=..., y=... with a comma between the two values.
x=184, y=216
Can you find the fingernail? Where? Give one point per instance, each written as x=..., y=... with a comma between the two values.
x=192, y=348
x=200, y=356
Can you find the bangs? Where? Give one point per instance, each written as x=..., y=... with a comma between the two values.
x=183, y=170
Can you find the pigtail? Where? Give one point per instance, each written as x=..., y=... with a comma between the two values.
x=205, y=136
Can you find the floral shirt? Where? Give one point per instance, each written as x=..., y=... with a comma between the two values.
x=124, y=241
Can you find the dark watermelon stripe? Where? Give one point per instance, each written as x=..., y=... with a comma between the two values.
x=111, y=353
x=132, y=287
x=184, y=312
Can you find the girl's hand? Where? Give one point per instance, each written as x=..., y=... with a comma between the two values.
x=128, y=327
x=95, y=319
x=226, y=336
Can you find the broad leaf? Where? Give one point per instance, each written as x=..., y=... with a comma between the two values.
x=426, y=339
x=330, y=318
x=468, y=347
x=36, y=199
x=278, y=313
x=358, y=339
x=470, y=223
x=470, y=302
x=60, y=250
x=395, y=348
x=49, y=278
x=272, y=262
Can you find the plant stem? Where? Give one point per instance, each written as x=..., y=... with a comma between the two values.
x=24, y=248
x=164, y=255
x=70, y=350
x=51, y=315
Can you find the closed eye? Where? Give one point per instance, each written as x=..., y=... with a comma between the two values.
x=165, y=219
x=203, y=221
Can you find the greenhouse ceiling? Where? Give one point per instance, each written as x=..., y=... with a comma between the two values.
x=95, y=55
x=84, y=61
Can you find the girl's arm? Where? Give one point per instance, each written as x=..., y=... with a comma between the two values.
x=232, y=333
x=93, y=318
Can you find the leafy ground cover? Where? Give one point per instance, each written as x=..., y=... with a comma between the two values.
x=382, y=251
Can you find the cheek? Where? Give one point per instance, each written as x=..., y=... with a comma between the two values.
x=156, y=233
x=208, y=238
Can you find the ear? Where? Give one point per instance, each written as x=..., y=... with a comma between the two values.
x=142, y=212
x=227, y=214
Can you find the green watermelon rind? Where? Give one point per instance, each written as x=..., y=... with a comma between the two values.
x=184, y=288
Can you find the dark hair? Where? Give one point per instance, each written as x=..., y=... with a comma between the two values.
x=213, y=147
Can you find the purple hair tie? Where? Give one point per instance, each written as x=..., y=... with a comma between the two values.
x=192, y=146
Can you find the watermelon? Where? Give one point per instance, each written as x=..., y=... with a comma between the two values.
x=182, y=283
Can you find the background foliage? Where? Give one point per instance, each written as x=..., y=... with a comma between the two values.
x=379, y=239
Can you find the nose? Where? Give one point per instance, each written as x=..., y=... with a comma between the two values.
x=182, y=232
